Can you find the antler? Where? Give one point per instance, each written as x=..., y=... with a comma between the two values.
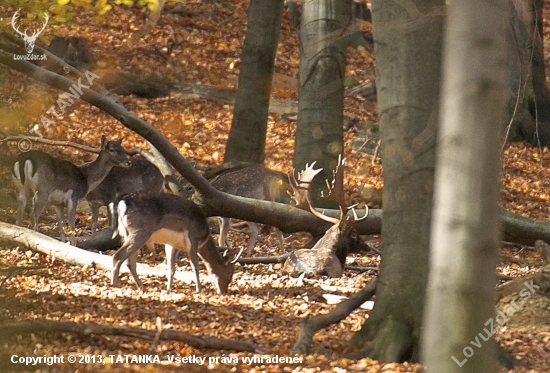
x=336, y=188
x=301, y=187
x=301, y=190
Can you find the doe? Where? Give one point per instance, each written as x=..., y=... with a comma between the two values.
x=145, y=219
x=46, y=179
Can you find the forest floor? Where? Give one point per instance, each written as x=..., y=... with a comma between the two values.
x=200, y=43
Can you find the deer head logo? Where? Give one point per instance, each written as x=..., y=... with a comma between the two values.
x=29, y=39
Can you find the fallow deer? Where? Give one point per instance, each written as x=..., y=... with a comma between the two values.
x=144, y=219
x=328, y=255
x=45, y=179
x=141, y=176
x=252, y=181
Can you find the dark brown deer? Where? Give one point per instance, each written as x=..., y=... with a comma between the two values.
x=328, y=255
x=45, y=179
x=144, y=219
x=141, y=176
x=252, y=181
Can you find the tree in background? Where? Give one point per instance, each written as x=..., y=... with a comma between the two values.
x=529, y=104
x=246, y=140
x=324, y=37
x=407, y=38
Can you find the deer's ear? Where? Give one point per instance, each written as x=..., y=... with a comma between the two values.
x=103, y=142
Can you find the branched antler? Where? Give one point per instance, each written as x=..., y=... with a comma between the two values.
x=301, y=187
x=301, y=192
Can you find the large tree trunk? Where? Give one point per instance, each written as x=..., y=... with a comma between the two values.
x=319, y=135
x=248, y=130
x=465, y=226
x=529, y=106
x=407, y=38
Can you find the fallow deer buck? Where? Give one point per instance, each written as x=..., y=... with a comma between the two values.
x=328, y=255
x=144, y=219
x=45, y=179
x=141, y=176
x=251, y=181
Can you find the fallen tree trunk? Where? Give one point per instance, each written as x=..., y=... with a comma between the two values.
x=75, y=256
x=522, y=230
x=85, y=329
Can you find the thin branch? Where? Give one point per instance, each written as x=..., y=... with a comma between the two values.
x=85, y=329
x=312, y=325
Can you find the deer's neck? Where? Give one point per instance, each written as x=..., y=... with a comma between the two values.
x=209, y=252
x=95, y=172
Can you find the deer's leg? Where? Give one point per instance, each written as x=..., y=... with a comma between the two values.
x=95, y=215
x=171, y=263
x=194, y=260
x=132, y=244
x=71, y=213
x=151, y=247
x=60, y=222
x=40, y=200
x=254, y=232
x=23, y=195
x=281, y=239
x=131, y=262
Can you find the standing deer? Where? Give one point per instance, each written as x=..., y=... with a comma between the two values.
x=141, y=176
x=252, y=181
x=144, y=219
x=328, y=255
x=46, y=179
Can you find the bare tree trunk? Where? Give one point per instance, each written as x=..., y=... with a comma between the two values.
x=529, y=107
x=465, y=227
x=407, y=38
x=319, y=135
x=248, y=130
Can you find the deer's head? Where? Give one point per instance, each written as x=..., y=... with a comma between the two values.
x=29, y=39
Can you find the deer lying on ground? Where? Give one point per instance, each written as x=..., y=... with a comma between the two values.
x=141, y=176
x=251, y=181
x=45, y=179
x=144, y=219
x=328, y=255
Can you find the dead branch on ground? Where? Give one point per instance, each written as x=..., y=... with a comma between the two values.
x=312, y=325
x=86, y=329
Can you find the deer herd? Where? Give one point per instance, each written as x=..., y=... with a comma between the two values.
x=142, y=214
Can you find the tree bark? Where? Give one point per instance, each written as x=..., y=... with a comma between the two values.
x=246, y=140
x=461, y=292
x=407, y=38
x=319, y=135
x=529, y=105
